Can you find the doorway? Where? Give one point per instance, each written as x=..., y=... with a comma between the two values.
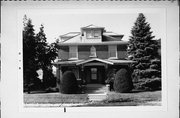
x=94, y=78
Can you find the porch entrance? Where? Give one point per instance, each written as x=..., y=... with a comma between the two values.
x=95, y=75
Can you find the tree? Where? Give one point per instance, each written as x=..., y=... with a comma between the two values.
x=143, y=49
x=46, y=53
x=37, y=54
x=29, y=53
x=123, y=82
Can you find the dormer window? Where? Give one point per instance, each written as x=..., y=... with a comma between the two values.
x=96, y=34
x=93, y=52
x=93, y=34
x=89, y=34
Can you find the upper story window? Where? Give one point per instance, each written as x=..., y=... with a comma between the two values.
x=112, y=51
x=73, y=52
x=93, y=52
x=93, y=34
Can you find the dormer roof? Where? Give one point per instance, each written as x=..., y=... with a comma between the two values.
x=77, y=37
x=92, y=27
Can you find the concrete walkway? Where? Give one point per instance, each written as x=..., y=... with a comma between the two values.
x=96, y=92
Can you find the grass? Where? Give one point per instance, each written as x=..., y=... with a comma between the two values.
x=113, y=99
x=134, y=98
x=54, y=98
x=151, y=98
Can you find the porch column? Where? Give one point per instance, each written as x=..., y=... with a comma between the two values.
x=82, y=74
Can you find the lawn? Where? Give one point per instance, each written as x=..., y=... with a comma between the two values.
x=113, y=99
x=54, y=98
x=151, y=98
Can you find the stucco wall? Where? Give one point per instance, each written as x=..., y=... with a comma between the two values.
x=63, y=52
x=84, y=52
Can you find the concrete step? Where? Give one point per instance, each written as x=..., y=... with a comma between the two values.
x=95, y=89
x=97, y=97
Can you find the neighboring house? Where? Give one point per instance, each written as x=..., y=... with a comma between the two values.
x=91, y=54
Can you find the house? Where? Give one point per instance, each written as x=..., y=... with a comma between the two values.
x=91, y=54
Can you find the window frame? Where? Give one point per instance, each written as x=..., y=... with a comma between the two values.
x=112, y=49
x=73, y=50
x=92, y=34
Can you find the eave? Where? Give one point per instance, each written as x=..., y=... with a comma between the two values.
x=97, y=43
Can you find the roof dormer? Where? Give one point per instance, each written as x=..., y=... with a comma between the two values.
x=92, y=33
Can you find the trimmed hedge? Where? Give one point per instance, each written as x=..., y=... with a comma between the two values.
x=68, y=84
x=123, y=82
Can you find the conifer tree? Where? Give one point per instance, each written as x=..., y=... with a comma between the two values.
x=143, y=49
x=46, y=53
x=29, y=53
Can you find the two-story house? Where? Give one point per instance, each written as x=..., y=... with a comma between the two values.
x=91, y=53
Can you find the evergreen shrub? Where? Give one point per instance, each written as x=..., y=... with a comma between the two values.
x=149, y=84
x=68, y=84
x=123, y=82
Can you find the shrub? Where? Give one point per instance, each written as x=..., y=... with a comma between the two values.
x=123, y=82
x=52, y=89
x=68, y=84
x=110, y=78
x=149, y=84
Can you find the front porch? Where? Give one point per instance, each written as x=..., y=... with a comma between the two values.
x=90, y=71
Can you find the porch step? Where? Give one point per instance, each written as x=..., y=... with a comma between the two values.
x=97, y=97
x=95, y=89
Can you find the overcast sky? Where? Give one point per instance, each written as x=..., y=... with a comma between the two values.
x=57, y=23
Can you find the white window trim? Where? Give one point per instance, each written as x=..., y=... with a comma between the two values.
x=116, y=55
x=91, y=52
x=73, y=58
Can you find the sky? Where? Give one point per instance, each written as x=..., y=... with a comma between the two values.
x=57, y=23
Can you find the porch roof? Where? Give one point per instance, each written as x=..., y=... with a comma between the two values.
x=80, y=62
x=121, y=61
x=67, y=62
x=95, y=59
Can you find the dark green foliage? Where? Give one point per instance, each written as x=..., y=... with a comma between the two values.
x=110, y=78
x=68, y=84
x=46, y=53
x=143, y=49
x=29, y=54
x=37, y=54
x=123, y=82
x=149, y=84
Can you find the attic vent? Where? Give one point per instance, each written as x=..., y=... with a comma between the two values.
x=93, y=52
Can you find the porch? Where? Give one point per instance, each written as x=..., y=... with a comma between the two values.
x=92, y=70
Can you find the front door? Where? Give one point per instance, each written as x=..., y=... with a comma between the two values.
x=94, y=73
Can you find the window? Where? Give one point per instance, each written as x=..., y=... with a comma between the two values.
x=96, y=34
x=94, y=73
x=112, y=51
x=90, y=34
x=92, y=52
x=73, y=52
x=93, y=34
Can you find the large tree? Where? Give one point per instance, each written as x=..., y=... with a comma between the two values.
x=143, y=49
x=46, y=54
x=29, y=53
x=37, y=54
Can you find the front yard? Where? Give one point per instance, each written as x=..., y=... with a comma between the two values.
x=113, y=99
